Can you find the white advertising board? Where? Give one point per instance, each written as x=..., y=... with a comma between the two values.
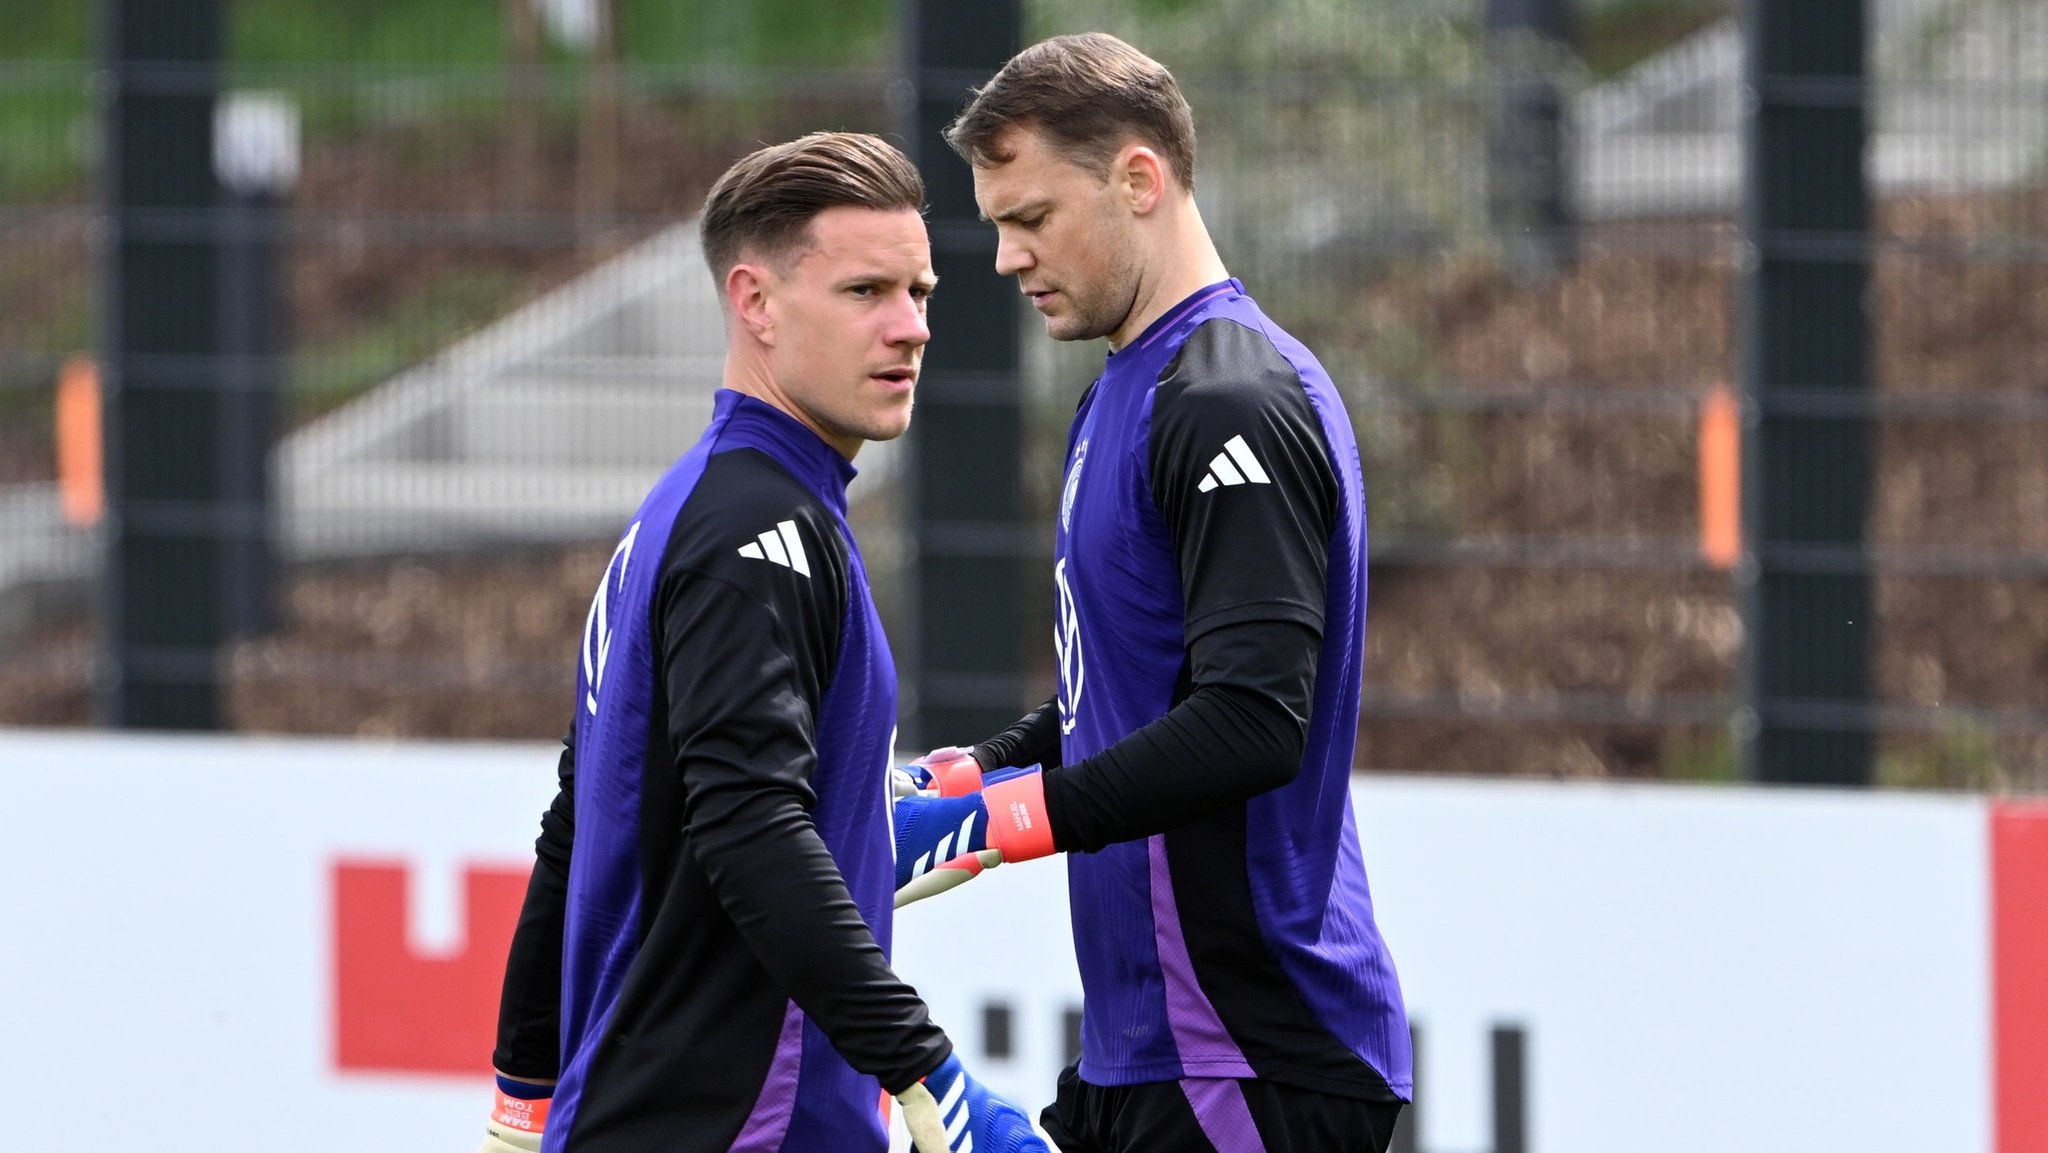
x=259, y=944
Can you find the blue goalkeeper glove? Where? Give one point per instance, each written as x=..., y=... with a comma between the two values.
x=933, y=831
x=946, y=841
x=950, y=1112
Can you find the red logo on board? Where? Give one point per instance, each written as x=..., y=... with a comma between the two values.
x=397, y=1011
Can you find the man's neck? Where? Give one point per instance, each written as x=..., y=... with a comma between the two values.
x=1187, y=261
x=749, y=376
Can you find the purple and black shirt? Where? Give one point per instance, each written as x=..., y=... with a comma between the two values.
x=703, y=954
x=1210, y=579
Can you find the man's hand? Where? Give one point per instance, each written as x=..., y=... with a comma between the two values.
x=943, y=841
x=949, y=1112
x=931, y=831
x=949, y=772
x=945, y=772
x=518, y=1117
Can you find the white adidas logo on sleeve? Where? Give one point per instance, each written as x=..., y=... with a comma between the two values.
x=1234, y=465
x=781, y=545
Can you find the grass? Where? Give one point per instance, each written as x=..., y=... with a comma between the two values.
x=45, y=132
x=443, y=33
x=433, y=58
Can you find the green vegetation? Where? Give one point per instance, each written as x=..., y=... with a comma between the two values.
x=761, y=33
x=352, y=61
x=1962, y=757
x=442, y=33
x=1618, y=34
x=356, y=68
x=325, y=376
x=45, y=31
x=1706, y=756
x=44, y=130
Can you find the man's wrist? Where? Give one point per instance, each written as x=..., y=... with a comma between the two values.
x=1017, y=821
x=939, y=1057
x=522, y=1105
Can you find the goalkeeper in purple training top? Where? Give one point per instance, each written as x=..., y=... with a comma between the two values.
x=702, y=961
x=1210, y=575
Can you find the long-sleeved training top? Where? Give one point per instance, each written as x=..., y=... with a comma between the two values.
x=702, y=957
x=1210, y=576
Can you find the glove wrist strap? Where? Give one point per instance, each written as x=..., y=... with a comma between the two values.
x=1017, y=823
x=523, y=1114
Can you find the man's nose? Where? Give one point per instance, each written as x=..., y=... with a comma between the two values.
x=1011, y=257
x=908, y=324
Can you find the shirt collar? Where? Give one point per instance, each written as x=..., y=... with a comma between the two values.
x=1180, y=311
x=754, y=423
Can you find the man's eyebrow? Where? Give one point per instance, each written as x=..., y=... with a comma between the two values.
x=1027, y=208
x=922, y=279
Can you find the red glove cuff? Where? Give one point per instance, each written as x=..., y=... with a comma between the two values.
x=522, y=1114
x=1017, y=824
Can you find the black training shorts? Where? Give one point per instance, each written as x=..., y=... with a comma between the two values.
x=1228, y=1116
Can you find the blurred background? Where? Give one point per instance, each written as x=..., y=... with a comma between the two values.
x=1698, y=355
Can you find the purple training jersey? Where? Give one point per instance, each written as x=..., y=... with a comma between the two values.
x=718, y=868
x=1212, y=479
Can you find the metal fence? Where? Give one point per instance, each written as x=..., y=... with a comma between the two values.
x=1524, y=257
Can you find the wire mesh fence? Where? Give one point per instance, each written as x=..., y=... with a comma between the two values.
x=1521, y=250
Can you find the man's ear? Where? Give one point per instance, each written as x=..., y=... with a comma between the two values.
x=1143, y=176
x=747, y=289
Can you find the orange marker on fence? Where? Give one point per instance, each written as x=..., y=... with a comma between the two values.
x=1720, y=479
x=80, y=486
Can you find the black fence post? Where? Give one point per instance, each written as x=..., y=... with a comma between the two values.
x=1529, y=50
x=162, y=618
x=1805, y=588
x=256, y=156
x=963, y=488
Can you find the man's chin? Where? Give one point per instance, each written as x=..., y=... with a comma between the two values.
x=885, y=430
x=1068, y=329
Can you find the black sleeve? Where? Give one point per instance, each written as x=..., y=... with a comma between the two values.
x=1241, y=474
x=744, y=677
x=1239, y=733
x=530, y=1003
x=1033, y=740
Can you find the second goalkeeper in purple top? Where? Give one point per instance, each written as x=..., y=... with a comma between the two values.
x=1210, y=577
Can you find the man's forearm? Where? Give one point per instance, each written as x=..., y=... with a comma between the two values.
x=784, y=893
x=1239, y=733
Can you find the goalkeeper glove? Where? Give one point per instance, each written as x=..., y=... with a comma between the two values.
x=949, y=772
x=933, y=831
x=517, y=1119
x=949, y=1112
x=945, y=841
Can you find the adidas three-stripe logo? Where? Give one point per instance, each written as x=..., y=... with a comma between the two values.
x=953, y=1111
x=1234, y=465
x=781, y=545
x=943, y=851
